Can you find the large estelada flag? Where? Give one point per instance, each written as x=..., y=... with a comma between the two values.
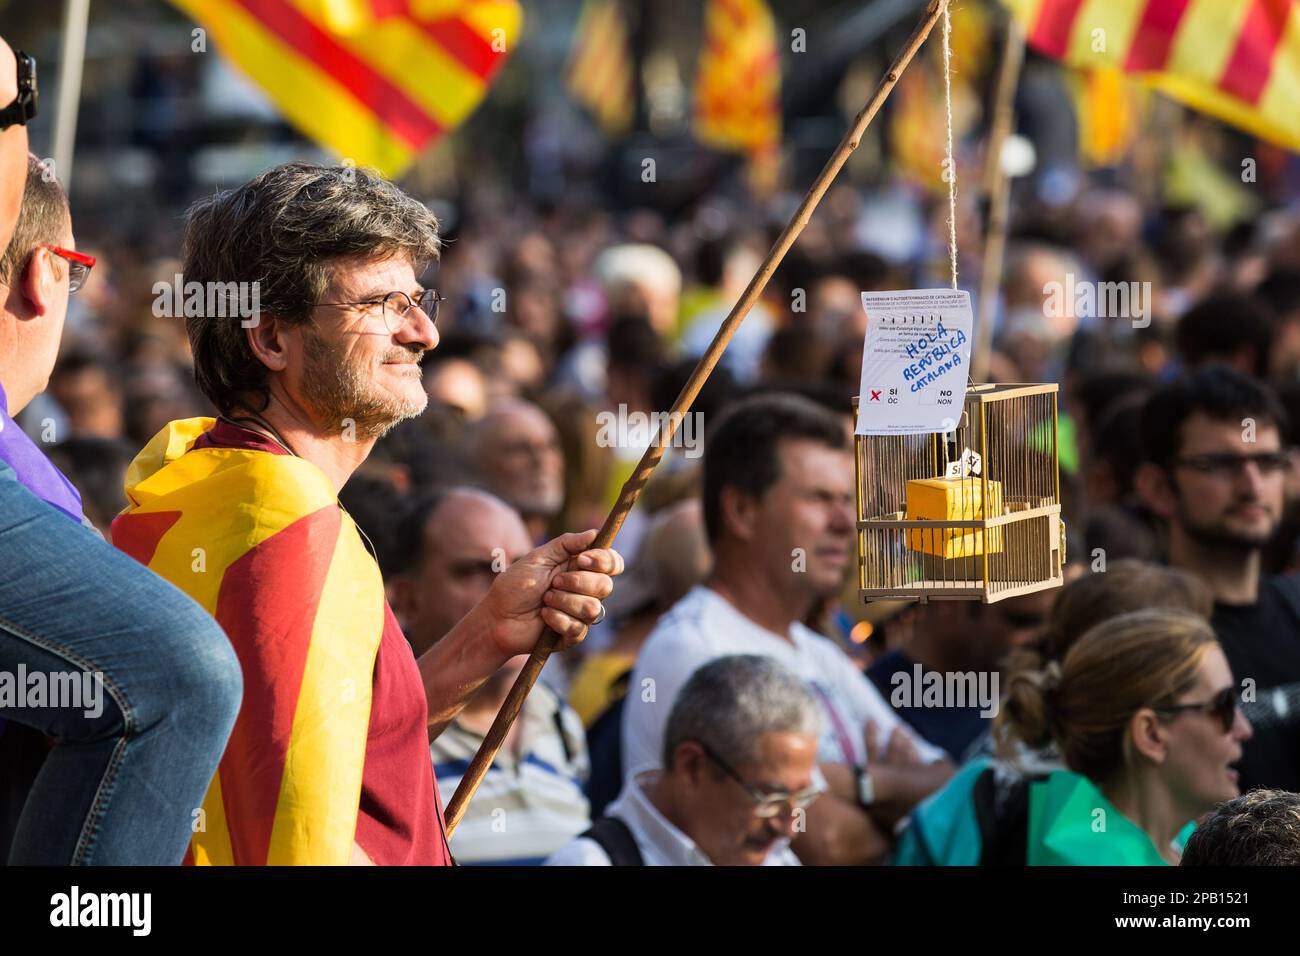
x=1237, y=60
x=375, y=81
x=738, y=79
x=599, y=74
x=260, y=542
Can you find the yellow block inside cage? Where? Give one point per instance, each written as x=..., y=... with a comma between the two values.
x=953, y=499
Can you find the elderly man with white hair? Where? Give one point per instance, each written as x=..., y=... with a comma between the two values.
x=739, y=772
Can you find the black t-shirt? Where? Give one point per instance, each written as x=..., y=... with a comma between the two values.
x=1262, y=642
x=952, y=728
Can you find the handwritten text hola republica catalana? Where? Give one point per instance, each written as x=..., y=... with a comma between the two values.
x=935, y=353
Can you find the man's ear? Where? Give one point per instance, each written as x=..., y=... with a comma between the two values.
x=38, y=281
x=739, y=512
x=1147, y=735
x=1155, y=489
x=269, y=340
x=688, y=759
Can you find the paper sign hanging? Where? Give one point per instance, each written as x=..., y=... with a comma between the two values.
x=915, y=361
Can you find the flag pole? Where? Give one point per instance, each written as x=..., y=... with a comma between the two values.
x=632, y=488
x=997, y=187
x=72, y=55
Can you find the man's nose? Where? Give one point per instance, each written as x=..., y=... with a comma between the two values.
x=843, y=515
x=1249, y=478
x=418, y=329
x=785, y=823
x=543, y=452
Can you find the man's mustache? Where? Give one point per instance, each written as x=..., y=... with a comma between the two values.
x=407, y=353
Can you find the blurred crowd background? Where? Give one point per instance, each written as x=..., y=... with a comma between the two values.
x=574, y=285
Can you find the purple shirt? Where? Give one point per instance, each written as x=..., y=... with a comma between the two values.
x=33, y=469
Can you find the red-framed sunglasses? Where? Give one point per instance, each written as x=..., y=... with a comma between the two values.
x=79, y=265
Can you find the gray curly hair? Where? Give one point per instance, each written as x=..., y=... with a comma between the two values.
x=284, y=230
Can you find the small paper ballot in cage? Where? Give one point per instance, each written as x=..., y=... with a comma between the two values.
x=958, y=489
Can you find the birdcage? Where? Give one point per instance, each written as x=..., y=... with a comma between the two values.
x=971, y=514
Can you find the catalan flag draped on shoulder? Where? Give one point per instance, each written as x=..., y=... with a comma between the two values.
x=738, y=81
x=1237, y=60
x=257, y=537
x=375, y=81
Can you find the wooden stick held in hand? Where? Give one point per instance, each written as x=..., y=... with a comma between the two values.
x=496, y=735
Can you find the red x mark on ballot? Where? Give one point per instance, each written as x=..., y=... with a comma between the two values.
x=875, y=395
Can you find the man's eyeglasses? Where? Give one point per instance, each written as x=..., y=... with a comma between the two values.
x=79, y=266
x=1226, y=465
x=397, y=306
x=766, y=805
x=1222, y=706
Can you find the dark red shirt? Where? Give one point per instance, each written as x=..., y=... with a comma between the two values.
x=399, y=819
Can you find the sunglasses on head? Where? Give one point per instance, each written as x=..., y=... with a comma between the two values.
x=1222, y=706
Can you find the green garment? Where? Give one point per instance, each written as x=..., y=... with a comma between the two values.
x=1071, y=823
x=965, y=824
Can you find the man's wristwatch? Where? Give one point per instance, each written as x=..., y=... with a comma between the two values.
x=23, y=109
x=866, y=787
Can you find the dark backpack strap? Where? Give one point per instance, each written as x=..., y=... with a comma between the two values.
x=614, y=837
x=1002, y=810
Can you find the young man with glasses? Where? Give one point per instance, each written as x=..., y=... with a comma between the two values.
x=739, y=774
x=159, y=684
x=1215, y=475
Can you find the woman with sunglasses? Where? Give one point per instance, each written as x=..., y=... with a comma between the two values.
x=1143, y=709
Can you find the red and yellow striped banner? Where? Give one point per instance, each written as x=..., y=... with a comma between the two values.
x=1237, y=60
x=375, y=81
x=738, y=81
x=600, y=67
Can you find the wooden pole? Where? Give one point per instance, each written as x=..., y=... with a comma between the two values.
x=998, y=190
x=632, y=488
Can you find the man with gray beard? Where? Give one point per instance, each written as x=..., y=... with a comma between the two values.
x=329, y=759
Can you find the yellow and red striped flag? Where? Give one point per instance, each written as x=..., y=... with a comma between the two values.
x=738, y=80
x=600, y=66
x=375, y=81
x=1237, y=60
x=260, y=541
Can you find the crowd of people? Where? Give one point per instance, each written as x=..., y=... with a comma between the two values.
x=305, y=555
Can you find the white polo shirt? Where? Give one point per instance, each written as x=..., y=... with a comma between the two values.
x=703, y=626
x=660, y=843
